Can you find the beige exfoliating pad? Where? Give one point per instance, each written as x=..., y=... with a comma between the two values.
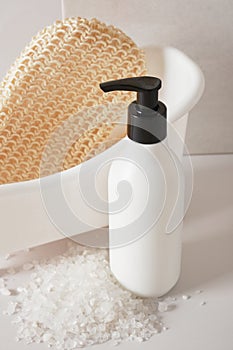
x=54, y=85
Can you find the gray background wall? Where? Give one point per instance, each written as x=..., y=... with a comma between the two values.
x=201, y=28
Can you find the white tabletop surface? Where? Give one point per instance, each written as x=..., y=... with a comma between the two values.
x=207, y=265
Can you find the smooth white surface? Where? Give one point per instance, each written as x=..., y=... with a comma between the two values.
x=62, y=203
x=207, y=264
x=203, y=30
x=139, y=216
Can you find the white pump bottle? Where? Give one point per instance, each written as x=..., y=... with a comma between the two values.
x=145, y=184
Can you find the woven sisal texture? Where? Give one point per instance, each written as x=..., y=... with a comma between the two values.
x=49, y=99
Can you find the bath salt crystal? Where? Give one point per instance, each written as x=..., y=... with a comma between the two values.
x=11, y=308
x=163, y=307
x=5, y=291
x=73, y=301
x=139, y=339
x=17, y=319
x=27, y=267
x=203, y=303
x=46, y=337
x=115, y=335
x=152, y=317
x=186, y=297
x=2, y=283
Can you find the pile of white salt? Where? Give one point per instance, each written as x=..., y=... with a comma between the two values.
x=73, y=301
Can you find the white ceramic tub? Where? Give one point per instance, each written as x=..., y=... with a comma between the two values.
x=40, y=211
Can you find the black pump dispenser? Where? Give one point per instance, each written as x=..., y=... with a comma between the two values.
x=146, y=116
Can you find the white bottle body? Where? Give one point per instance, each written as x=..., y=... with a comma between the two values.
x=144, y=186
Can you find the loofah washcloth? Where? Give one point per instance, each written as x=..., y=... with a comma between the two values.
x=55, y=80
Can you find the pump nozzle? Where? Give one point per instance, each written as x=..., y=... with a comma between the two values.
x=147, y=116
x=146, y=88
